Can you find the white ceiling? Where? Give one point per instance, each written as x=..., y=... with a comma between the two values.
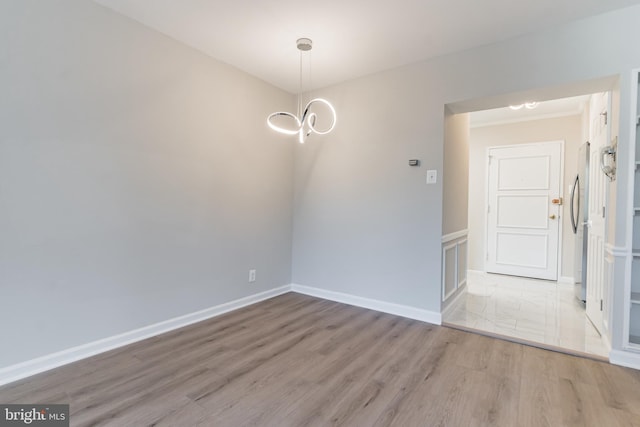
x=544, y=110
x=351, y=38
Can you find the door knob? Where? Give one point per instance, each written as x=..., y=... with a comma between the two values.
x=552, y=217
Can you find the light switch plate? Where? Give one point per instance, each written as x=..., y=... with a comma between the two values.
x=432, y=176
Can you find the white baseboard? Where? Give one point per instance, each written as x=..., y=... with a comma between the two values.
x=562, y=279
x=472, y=271
x=31, y=367
x=385, y=307
x=625, y=358
x=41, y=364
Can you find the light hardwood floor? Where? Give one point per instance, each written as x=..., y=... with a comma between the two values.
x=301, y=361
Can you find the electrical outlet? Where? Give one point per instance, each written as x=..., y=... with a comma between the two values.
x=252, y=276
x=432, y=176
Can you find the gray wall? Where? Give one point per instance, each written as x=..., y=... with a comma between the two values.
x=367, y=224
x=138, y=178
x=364, y=218
x=567, y=129
x=455, y=177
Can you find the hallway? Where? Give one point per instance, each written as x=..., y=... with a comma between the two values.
x=540, y=312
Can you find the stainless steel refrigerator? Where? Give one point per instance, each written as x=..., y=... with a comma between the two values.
x=579, y=208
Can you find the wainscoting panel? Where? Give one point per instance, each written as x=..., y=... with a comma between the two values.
x=454, y=263
x=449, y=280
x=461, y=262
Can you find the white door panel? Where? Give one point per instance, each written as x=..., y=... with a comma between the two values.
x=599, y=133
x=523, y=211
x=532, y=254
x=523, y=224
x=523, y=173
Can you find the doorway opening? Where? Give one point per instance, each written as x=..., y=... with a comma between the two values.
x=522, y=256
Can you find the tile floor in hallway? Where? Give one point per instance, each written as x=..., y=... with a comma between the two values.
x=526, y=309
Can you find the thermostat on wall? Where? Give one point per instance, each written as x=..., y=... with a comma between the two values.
x=414, y=162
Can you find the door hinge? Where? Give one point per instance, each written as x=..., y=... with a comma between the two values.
x=600, y=305
x=488, y=208
x=603, y=211
x=606, y=117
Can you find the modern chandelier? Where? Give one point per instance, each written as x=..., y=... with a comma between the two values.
x=527, y=105
x=305, y=120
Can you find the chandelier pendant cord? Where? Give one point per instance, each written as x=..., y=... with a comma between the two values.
x=300, y=88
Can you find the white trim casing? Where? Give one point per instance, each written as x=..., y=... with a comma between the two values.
x=372, y=304
x=608, y=266
x=35, y=366
x=625, y=358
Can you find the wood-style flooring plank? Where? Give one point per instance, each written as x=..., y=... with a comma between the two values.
x=296, y=360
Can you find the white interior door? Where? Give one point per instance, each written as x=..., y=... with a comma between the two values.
x=523, y=222
x=599, y=134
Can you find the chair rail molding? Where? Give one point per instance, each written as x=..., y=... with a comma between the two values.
x=617, y=251
x=455, y=235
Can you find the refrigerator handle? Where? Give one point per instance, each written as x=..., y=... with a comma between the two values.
x=574, y=218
